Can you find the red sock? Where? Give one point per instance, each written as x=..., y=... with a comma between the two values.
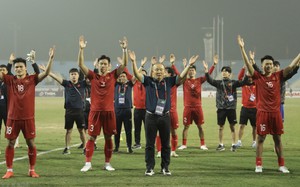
x=202, y=142
x=89, y=150
x=281, y=161
x=174, y=142
x=9, y=156
x=32, y=157
x=108, y=149
x=184, y=141
x=258, y=161
x=158, y=144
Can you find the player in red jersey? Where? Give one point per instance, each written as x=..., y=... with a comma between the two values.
x=102, y=114
x=139, y=102
x=248, y=110
x=21, y=94
x=268, y=118
x=193, y=106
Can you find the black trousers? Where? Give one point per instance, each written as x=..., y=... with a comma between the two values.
x=161, y=124
x=123, y=115
x=138, y=117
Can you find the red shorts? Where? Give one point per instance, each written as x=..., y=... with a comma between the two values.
x=104, y=119
x=13, y=128
x=269, y=123
x=191, y=114
x=174, y=120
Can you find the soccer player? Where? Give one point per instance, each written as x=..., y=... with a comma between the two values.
x=21, y=94
x=248, y=110
x=102, y=113
x=30, y=58
x=226, y=99
x=268, y=118
x=193, y=106
x=74, y=105
x=158, y=93
x=139, y=101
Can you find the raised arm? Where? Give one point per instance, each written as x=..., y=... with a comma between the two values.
x=153, y=61
x=293, y=65
x=44, y=74
x=123, y=44
x=10, y=63
x=172, y=61
x=54, y=76
x=82, y=66
x=183, y=74
x=31, y=58
x=244, y=55
x=136, y=72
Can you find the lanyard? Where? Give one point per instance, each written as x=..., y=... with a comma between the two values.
x=252, y=89
x=165, y=90
x=125, y=86
x=225, y=88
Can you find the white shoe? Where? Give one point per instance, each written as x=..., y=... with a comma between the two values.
x=108, y=167
x=149, y=172
x=239, y=144
x=258, y=169
x=173, y=154
x=182, y=147
x=86, y=167
x=283, y=169
x=166, y=172
x=158, y=154
x=203, y=147
x=253, y=144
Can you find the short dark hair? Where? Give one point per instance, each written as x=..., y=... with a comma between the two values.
x=226, y=68
x=19, y=60
x=72, y=70
x=104, y=57
x=267, y=57
x=170, y=70
x=192, y=67
x=3, y=66
x=276, y=63
x=144, y=71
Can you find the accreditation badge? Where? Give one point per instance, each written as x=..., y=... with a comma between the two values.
x=122, y=98
x=252, y=97
x=230, y=98
x=161, y=103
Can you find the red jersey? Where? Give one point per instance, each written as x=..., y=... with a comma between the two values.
x=102, y=90
x=268, y=91
x=173, y=98
x=139, y=95
x=192, y=90
x=174, y=92
x=21, y=94
x=248, y=92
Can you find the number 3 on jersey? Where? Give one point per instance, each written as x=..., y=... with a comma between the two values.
x=92, y=128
